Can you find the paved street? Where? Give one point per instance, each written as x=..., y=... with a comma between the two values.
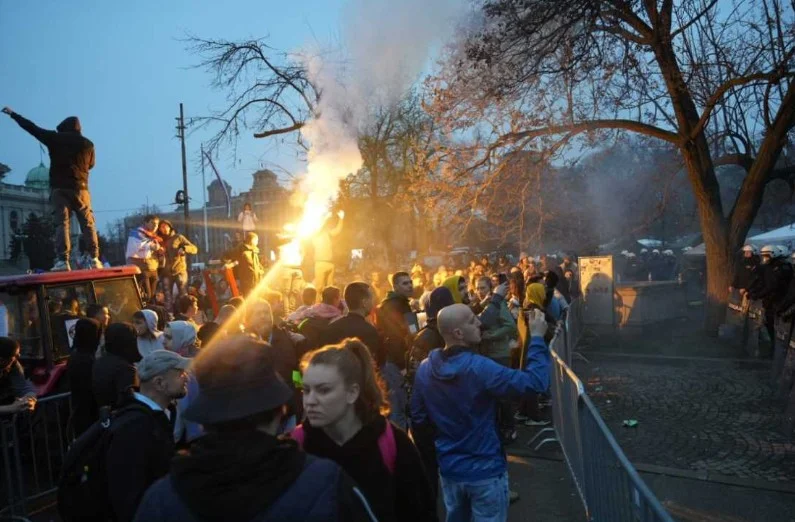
x=700, y=415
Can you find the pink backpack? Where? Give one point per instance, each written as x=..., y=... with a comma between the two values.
x=386, y=445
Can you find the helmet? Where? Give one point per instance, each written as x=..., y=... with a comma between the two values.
x=655, y=251
x=630, y=255
x=781, y=252
x=624, y=252
x=643, y=251
x=750, y=248
x=687, y=249
x=668, y=252
x=768, y=250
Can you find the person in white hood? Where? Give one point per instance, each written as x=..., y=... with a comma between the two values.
x=149, y=337
x=180, y=337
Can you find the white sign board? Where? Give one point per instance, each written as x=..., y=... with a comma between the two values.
x=596, y=280
x=70, y=331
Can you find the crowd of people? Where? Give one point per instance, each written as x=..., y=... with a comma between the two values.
x=365, y=403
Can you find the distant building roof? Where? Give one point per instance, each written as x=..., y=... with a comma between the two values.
x=38, y=177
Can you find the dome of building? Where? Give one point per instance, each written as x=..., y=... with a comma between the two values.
x=38, y=177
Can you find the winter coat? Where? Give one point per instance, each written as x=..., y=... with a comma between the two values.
x=71, y=155
x=397, y=324
x=354, y=325
x=252, y=476
x=249, y=268
x=499, y=328
x=176, y=263
x=141, y=448
x=456, y=391
x=404, y=495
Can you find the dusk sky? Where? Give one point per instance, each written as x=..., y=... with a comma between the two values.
x=122, y=68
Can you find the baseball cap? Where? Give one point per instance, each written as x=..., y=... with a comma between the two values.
x=159, y=362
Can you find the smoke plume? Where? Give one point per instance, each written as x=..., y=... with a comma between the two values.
x=385, y=46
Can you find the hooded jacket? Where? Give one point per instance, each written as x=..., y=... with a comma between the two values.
x=148, y=345
x=183, y=338
x=451, y=283
x=114, y=375
x=71, y=155
x=251, y=476
x=456, y=391
x=397, y=324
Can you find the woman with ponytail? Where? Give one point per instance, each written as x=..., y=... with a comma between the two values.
x=346, y=421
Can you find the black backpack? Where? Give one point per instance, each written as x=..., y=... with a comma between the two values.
x=83, y=488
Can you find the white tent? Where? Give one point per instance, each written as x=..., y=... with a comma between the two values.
x=784, y=236
x=781, y=236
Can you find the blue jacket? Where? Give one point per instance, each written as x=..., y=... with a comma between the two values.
x=457, y=393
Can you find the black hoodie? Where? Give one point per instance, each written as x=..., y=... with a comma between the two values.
x=71, y=155
x=114, y=377
x=88, y=333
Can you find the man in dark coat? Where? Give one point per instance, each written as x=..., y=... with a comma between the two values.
x=71, y=157
x=249, y=267
x=397, y=325
x=142, y=442
x=360, y=298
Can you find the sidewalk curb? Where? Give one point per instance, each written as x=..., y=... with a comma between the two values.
x=704, y=476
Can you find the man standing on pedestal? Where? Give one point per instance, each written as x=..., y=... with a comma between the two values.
x=71, y=157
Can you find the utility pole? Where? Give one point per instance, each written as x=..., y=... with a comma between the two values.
x=204, y=200
x=181, y=136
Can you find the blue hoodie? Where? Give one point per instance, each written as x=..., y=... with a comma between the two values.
x=458, y=392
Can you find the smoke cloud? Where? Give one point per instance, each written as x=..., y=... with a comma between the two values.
x=385, y=47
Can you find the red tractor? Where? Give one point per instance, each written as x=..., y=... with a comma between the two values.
x=40, y=311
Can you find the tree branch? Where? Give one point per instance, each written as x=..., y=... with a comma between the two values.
x=738, y=81
x=283, y=130
x=577, y=128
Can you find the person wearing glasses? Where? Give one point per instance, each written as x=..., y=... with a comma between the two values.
x=17, y=394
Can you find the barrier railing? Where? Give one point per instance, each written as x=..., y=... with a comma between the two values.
x=608, y=485
x=34, y=446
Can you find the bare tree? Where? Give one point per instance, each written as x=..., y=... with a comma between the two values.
x=267, y=91
x=715, y=80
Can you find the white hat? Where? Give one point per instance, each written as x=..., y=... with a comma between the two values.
x=750, y=248
x=655, y=251
x=630, y=255
x=668, y=252
x=643, y=250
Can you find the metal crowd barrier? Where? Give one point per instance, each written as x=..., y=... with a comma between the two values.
x=608, y=485
x=34, y=446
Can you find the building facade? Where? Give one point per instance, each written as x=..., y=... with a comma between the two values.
x=18, y=202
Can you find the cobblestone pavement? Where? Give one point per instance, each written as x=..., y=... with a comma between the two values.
x=700, y=415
